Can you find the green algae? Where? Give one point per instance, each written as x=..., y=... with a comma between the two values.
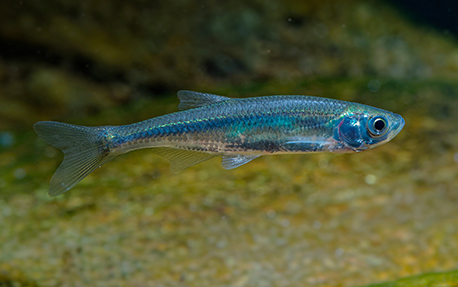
x=448, y=279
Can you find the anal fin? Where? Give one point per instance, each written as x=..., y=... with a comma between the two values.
x=182, y=159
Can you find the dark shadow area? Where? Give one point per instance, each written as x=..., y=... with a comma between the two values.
x=442, y=15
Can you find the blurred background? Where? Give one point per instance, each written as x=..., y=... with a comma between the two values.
x=308, y=220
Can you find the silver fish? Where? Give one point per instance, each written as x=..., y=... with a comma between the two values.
x=239, y=130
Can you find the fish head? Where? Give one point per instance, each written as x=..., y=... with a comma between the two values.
x=368, y=127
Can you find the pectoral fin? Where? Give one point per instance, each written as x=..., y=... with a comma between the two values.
x=307, y=141
x=231, y=161
x=182, y=159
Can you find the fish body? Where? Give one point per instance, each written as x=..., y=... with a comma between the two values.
x=238, y=129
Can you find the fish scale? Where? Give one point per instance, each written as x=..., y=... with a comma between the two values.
x=239, y=130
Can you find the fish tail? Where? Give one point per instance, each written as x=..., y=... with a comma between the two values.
x=84, y=151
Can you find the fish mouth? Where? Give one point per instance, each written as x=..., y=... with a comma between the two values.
x=400, y=126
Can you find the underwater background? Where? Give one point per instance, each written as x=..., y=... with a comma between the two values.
x=290, y=220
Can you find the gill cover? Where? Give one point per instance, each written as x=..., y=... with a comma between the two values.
x=352, y=131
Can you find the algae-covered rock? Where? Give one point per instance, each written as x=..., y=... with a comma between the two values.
x=10, y=277
x=93, y=47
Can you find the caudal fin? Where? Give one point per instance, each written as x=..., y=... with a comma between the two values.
x=82, y=150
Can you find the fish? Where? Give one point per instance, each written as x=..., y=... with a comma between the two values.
x=238, y=129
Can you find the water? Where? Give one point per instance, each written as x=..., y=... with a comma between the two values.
x=309, y=220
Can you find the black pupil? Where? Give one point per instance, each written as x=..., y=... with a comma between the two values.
x=379, y=125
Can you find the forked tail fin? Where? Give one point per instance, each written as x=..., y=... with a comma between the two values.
x=83, y=152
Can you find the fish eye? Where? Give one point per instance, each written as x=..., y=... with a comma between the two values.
x=377, y=126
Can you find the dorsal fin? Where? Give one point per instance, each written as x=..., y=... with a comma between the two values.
x=190, y=99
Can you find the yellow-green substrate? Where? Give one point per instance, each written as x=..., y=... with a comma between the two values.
x=322, y=220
